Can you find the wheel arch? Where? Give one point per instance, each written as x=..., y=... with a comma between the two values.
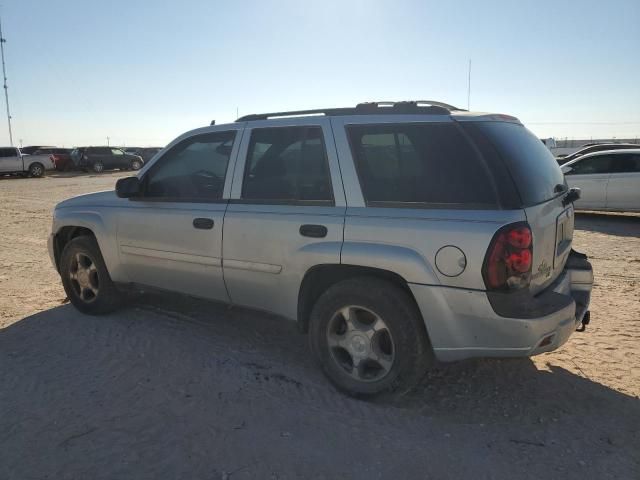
x=320, y=277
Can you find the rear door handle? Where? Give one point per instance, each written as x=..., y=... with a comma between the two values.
x=313, y=231
x=203, y=223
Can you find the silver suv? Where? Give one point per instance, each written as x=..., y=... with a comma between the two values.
x=393, y=233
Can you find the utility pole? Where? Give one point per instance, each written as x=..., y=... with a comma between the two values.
x=107, y=141
x=469, y=87
x=6, y=93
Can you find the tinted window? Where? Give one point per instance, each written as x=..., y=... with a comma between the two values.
x=116, y=151
x=533, y=168
x=192, y=170
x=626, y=163
x=287, y=164
x=596, y=164
x=7, y=152
x=419, y=163
x=99, y=151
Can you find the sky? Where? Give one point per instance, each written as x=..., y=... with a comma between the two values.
x=143, y=72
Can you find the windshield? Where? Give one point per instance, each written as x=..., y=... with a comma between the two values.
x=534, y=169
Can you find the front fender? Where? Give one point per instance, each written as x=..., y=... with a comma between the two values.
x=104, y=232
x=403, y=261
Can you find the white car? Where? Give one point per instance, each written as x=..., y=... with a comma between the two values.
x=13, y=161
x=608, y=180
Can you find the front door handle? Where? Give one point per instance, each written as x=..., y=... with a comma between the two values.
x=203, y=223
x=313, y=231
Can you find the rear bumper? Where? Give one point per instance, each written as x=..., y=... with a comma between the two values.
x=464, y=324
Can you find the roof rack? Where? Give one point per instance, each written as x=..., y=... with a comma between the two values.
x=369, y=108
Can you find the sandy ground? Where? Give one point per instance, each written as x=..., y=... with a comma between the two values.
x=178, y=388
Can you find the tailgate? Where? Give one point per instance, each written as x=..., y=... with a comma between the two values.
x=552, y=228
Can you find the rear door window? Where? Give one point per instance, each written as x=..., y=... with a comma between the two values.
x=626, y=163
x=287, y=165
x=599, y=164
x=420, y=164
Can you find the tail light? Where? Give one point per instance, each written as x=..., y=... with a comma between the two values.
x=507, y=265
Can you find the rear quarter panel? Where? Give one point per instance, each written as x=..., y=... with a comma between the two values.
x=406, y=241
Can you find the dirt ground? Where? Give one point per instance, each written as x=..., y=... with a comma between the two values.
x=179, y=388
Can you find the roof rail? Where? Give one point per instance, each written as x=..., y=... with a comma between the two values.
x=369, y=108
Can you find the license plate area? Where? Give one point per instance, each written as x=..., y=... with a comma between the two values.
x=564, y=236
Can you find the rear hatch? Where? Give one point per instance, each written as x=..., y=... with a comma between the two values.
x=541, y=187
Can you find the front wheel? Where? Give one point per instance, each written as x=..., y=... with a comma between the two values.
x=369, y=337
x=36, y=170
x=136, y=165
x=85, y=277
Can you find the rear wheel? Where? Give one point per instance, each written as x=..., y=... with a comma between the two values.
x=85, y=277
x=369, y=337
x=98, y=167
x=36, y=170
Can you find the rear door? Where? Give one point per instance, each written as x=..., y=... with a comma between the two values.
x=591, y=175
x=286, y=212
x=542, y=187
x=10, y=160
x=623, y=189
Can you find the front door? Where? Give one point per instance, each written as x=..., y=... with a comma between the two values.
x=591, y=175
x=10, y=161
x=119, y=159
x=171, y=236
x=286, y=212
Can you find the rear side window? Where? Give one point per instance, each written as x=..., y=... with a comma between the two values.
x=287, y=164
x=7, y=152
x=626, y=163
x=531, y=164
x=419, y=164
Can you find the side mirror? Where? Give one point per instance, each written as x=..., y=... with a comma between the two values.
x=572, y=196
x=128, y=187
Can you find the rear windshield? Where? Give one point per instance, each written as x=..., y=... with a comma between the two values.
x=533, y=167
x=427, y=163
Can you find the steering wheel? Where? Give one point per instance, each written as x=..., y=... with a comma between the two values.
x=206, y=182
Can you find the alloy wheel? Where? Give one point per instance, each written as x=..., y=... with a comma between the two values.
x=84, y=277
x=360, y=343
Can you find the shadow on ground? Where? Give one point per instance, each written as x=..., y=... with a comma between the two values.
x=611, y=224
x=179, y=388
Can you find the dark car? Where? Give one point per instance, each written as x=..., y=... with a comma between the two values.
x=147, y=153
x=105, y=158
x=596, y=147
x=61, y=156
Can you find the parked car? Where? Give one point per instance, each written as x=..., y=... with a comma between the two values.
x=608, y=180
x=61, y=157
x=99, y=159
x=595, y=147
x=12, y=161
x=392, y=233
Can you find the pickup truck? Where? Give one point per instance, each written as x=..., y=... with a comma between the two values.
x=12, y=161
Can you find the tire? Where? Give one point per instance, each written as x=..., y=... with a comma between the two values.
x=98, y=167
x=402, y=347
x=136, y=165
x=36, y=170
x=92, y=292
